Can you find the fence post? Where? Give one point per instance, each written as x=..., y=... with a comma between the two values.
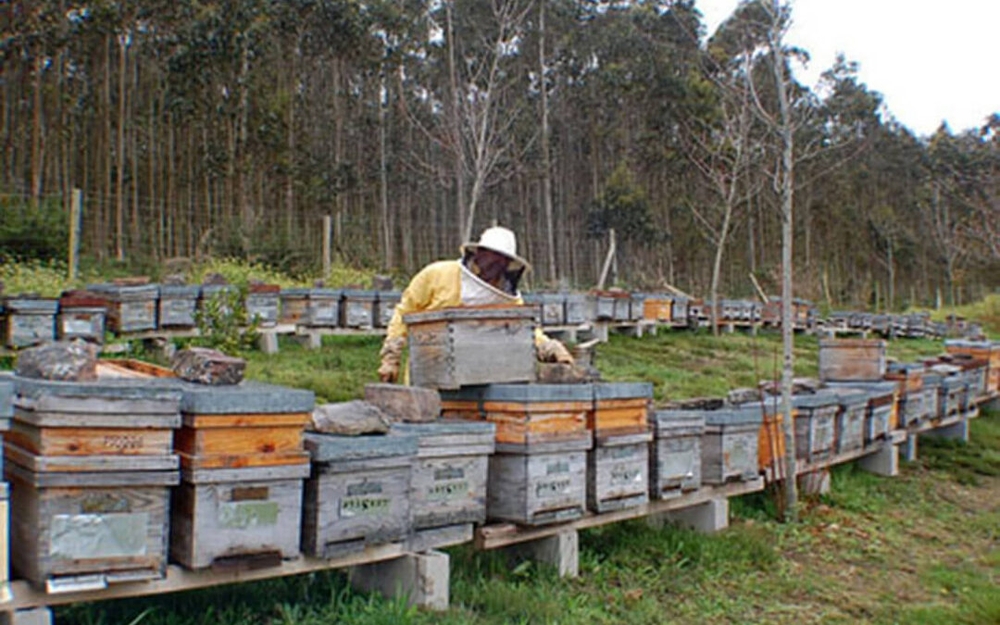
x=75, y=214
x=327, y=225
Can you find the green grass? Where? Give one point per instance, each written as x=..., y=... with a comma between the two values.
x=920, y=548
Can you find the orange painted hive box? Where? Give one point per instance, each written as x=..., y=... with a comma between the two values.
x=620, y=408
x=243, y=425
x=657, y=308
x=529, y=414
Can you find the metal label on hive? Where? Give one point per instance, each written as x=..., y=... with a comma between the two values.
x=111, y=535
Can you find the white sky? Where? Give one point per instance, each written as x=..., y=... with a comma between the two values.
x=931, y=61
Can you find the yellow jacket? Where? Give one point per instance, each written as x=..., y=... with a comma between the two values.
x=436, y=286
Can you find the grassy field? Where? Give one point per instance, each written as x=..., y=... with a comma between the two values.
x=920, y=548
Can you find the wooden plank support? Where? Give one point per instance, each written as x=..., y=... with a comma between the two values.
x=504, y=534
x=422, y=578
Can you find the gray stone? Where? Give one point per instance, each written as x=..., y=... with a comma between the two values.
x=406, y=404
x=208, y=366
x=352, y=418
x=561, y=373
x=74, y=361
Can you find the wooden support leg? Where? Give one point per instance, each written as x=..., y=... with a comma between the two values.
x=561, y=551
x=884, y=462
x=423, y=578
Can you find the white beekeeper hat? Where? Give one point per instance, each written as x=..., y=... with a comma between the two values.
x=502, y=241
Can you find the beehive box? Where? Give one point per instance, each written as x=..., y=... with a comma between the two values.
x=529, y=414
x=177, y=305
x=359, y=492
x=323, y=308
x=447, y=347
x=294, y=306
x=386, y=306
x=975, y=372
x=553, y=308
x=620, y=408
x=463, y=403
x=357, y=309
x=729, y=445
x=618, y=472
x=263, y=301
x=250, y=424
x=448, y=483
x=952, y=395
x=679, y=311
x=544, y=485
x=697, y=311
x=90, y=465
x=932, y=392
x=675, y=453
x=130, y=308
x=637, y=302
x=852, y=419
x=882, y=415
x=29, y=321
x=657, y=308
x=771, y=437
x=247, y=516
x=622, y=309
x=579, y=308
x=81, y=316
x=985, y=350
x=909, y=379
x=852, y=360
x=602, y=305
x=815, y=425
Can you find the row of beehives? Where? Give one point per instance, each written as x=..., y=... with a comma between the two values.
x=122, y=310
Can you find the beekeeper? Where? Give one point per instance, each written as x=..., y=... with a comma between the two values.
x=487, y=274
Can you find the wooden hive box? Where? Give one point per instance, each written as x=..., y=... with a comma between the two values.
x=579, y=308
x=636, y=305
x=177, y=305
x=294, y=306
x=262, y=303
x=852, y=419
x=357, y=309
x=244, y=425
x=456, y=347
x=620, y=408
x=323, y=308
x=952, y=396
x=553, y=308
x=679, y=309
x=975, y=371
x=542, y=484
x=448, y=481
x=130, y=308
x=529, y=414
x=771, y=437
x=815, y=425
x=729, y=446
x=386, y=307
x=81, y=316
x=984, y=350
x=932, y=395
x=237, y=517
x=675, y=453
x=657, y=308
x=622, y=306
x=359, y=492
x=29, y=321
x=909, y=379
x=881, y=416
x=602, y=306
x=852, y=360
x=618, y=472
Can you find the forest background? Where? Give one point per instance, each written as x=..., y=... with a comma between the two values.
x=231, y=128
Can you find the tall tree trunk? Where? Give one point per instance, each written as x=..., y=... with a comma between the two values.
x=37, y=156
x=456, y=125
x=120, y=152
x=546, y=152
x=383, y=177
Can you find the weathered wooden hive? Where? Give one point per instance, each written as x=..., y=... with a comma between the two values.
x=357, y=309
x=386, y=307
x=578, y=308
x=29, y=321
x=983, y=350
x=177, y=305
x=618, y=465
x=82, y=315
x=675, y=453
x=771, y=436
x=262, y=303
x=463, y=403
x=448, y=480
x=602, y=304
x=729, y=446
x=243, y=463
x=881, y=416
x=553, y=308
x=679, y=311
x=526, y=414
x=294, y=306
x=657, y=308
x=131, y=308
x=6, y=414
x=359, y=492
x=975, y=371
x=323, y=308
x=636, y=305
x=852, y=419
x=909, y=379
x=456, y=347
x=852, y=360
x=815, y=425
x=91, y=466
x=932, y=395
x=622, y=306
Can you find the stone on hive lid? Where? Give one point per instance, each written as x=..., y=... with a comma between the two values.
x=352, y=418
x=407, y=404
x=208, y=366
x=73, y=361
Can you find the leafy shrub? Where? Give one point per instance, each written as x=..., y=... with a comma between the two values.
x=30, y=231
x=223, y=323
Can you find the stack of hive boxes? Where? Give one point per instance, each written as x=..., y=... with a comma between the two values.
x=675, y=453
x=6, y=413
x=91, y=466
x=131, y=307
x=909, y=378
x=29, y=321
x=988, y=351
x=618, y=465
x=243, y=463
